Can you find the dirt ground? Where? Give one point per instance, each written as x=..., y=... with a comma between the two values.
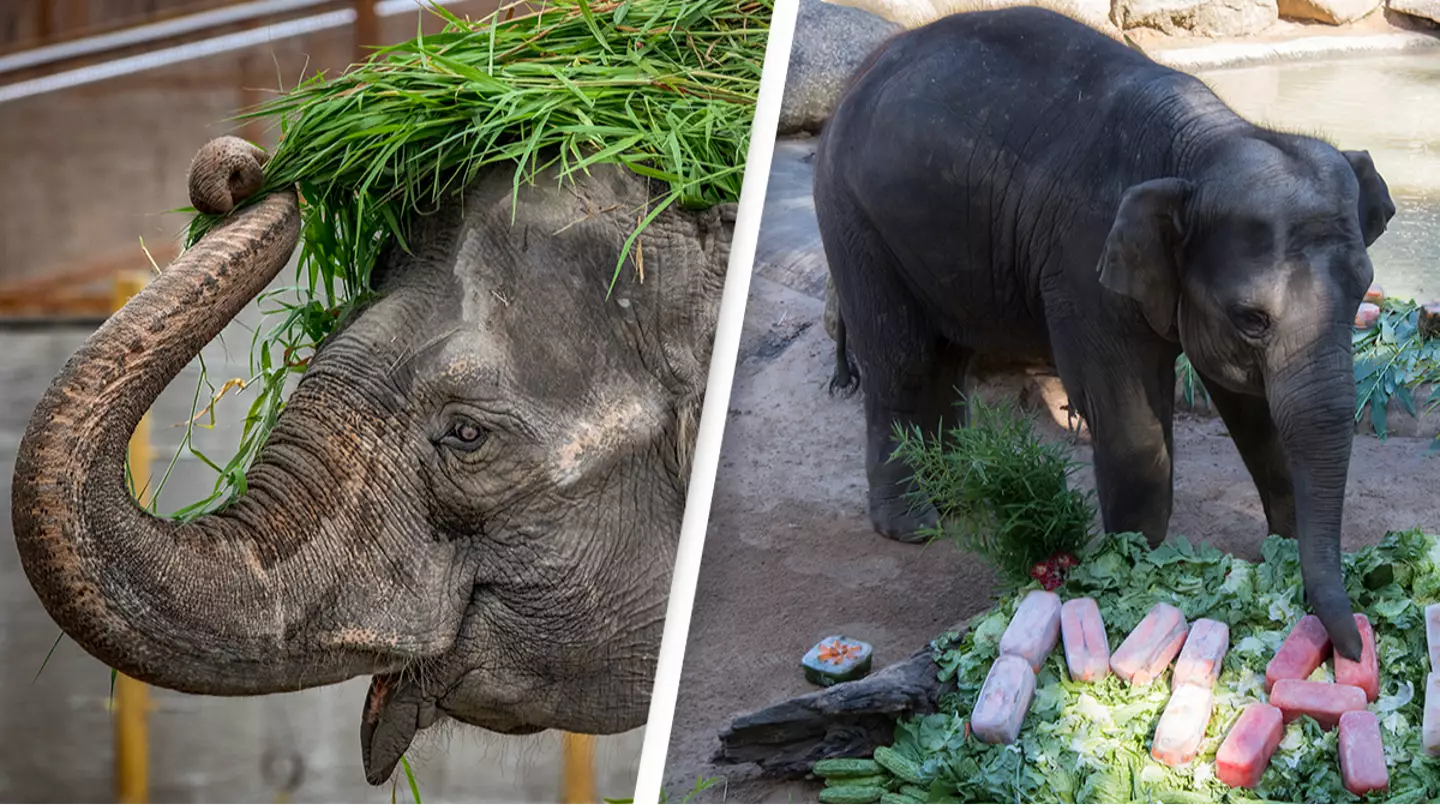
x=790, y=556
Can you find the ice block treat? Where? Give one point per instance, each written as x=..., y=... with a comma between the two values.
x=1326, y=702
x=1247, y=749
x=1364, y=673
x=1430, y=728
x=1362, y=754
x=1151, y=646
x=1003, y=700
x=1432, y=635
x=1087, y=648
x=1182, y=726
x=1303, y=650
x=1203, y=654
x=1033, y=629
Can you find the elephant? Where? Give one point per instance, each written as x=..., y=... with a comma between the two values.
x=1012, y=182
x=473, y=495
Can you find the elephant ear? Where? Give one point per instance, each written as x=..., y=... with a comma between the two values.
x=1139, y=258
x=1376, y=207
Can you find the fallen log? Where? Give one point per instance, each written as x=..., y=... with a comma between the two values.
x=846, y=720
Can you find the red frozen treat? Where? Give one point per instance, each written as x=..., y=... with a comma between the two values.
x=1364, y=673
x=1432, y=635
x=1151, y=646
x=1182, y=726
x=1034, y=629
x=1303, y=650
x=1087, y=648
x=1362, y=754
x=1367, y=316
x=1242, y=758
x=1203, y=654
x=1003, y=700
x=1325, y=702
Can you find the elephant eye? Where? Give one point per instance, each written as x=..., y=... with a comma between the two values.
x=465, y=436
x=1253, y=322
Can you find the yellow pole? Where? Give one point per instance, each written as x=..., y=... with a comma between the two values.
x=132, y=755
x=578, y=752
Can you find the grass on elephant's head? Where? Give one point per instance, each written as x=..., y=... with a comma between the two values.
x=665, y=88
x=1001, y=491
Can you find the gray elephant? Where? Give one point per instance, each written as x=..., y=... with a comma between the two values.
x=1013, y=181
x=474, y=493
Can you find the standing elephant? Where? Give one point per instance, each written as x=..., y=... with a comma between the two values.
x=474, y=493
x=1012, y=180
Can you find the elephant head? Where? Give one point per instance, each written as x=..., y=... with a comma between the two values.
x=1255, y=261
x=473, y=494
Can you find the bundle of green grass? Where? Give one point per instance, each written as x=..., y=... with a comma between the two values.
x=666, y=88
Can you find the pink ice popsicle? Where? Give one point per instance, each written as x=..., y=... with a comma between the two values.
x=1242, y=758
x=1034, y=628
x=1087, y=649
x=1432, y=635
x=1182, y=726
x=1325, y=702
x=1003, y=700
x=1151, y=646
x=1364, y=673
x=1303, y=650
x=1203, y=654
x=1430, y=727
x=1362, y=754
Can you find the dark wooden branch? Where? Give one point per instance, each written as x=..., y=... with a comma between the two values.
x=845, y=720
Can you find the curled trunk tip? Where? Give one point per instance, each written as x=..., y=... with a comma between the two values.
x=224, y=173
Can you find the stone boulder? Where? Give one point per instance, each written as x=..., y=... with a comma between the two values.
x=831, y=42
x=1210, y=18
x=1424, y=9
x=915, y=13
x=1334, y=12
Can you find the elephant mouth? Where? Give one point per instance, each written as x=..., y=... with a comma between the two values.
x=396, y=709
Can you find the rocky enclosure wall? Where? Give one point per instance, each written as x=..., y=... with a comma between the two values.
x=833, y=38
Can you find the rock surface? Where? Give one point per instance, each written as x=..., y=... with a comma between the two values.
x=1334, y=12
x=915, y=13
x=830, y=43
x=1228, y=18
x=1425, y=9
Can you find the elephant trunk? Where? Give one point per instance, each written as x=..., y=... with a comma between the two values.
x=196, y=607
x=1311, y=402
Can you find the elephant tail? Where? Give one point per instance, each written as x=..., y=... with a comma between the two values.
x=846, y=378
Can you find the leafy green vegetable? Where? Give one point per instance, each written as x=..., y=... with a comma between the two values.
x=1086, y=742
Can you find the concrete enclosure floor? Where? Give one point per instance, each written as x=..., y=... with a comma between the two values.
x=790, y=556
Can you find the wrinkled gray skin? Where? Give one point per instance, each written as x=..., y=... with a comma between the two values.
x=473, y=495
x=1105, y=210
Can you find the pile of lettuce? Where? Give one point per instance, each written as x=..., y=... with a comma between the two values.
x=1090, y=742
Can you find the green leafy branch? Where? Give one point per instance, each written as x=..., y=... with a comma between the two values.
x=1000, y=491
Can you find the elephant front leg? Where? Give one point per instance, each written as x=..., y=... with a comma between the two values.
x=1247, y=418
x=1131, y=417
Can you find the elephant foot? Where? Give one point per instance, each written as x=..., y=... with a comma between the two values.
x=898, y=521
